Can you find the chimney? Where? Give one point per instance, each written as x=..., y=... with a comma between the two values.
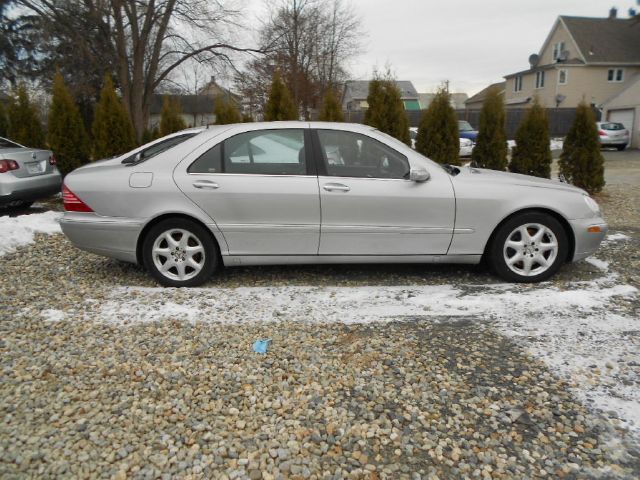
x=613, y=13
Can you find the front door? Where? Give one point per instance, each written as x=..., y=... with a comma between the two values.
x=370, y=207
x=256, y=186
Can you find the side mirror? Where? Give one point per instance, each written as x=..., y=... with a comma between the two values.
x=419, y=175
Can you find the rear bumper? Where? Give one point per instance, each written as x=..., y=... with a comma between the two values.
x=587, y=242
x=614, y=141
x=27, y=189
x=113, y=237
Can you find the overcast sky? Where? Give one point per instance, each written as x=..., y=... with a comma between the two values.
x=472, y=43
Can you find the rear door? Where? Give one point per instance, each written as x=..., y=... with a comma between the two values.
x=260, y=188
x=369, y=205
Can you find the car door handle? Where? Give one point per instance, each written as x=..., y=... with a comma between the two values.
x=330, y=187
x=205, y=184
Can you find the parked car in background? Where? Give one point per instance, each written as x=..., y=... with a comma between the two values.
x=613, y=134
x=467, y=131
x=253, y=193
x=466, y=145
x=26, y=174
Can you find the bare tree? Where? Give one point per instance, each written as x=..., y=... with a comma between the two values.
x=143, y=41
x=310, y=42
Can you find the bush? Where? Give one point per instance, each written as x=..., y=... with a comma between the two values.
x=331, y=110
x=25, y=127
x=67, y=136
x=438, y=136
x=225, y=111
x=491, y=145
x=532, y=153
x=171, y=119
x=581, y=162
x=386, y=110
x=113, y=132
x=280, y=105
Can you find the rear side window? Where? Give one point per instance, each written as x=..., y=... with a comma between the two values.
x=158, y=148
x=350, y=154
x=4, y=143
x=208, y=162
x=270, y=152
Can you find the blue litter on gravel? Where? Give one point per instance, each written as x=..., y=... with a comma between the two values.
x=261, y=346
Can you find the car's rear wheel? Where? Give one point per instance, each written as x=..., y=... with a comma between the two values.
x=621, y=147
x=179, y=253
x=529, y=247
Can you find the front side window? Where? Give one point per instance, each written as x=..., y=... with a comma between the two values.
x=540, y=79
x=349, y=154
x=615, y=75
x=270, y=152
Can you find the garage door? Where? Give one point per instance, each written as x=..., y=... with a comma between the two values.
x=624, y=117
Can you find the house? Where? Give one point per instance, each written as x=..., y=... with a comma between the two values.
x=475, y=102
x=625, y=108
x=457, y=100
x=354, y=97
x=582, y=58
x=197, y=110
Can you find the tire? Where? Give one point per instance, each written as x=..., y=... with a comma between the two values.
x=621, y=147
x=538, y=257
x=186, y=248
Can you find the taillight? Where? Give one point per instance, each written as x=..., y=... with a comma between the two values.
x=6, y=165
x=602, y=133
x=72, y=203
x=52, y=159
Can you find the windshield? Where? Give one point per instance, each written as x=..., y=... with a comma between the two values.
x=464, y=126
x=4, y=143
x=157, y=148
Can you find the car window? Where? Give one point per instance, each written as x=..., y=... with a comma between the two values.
x=208, y=162
x=350, y=154
x=612, y=126
x=158, y=148
x=267, y=152
x=4, y=143
x=464, y=126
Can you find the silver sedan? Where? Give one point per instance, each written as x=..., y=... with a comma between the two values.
x=296, y=193
x=26, y=174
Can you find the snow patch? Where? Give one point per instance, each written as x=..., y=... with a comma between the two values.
x=596, y=262
x=19, y=231
x=52, y=315
x=616, y=237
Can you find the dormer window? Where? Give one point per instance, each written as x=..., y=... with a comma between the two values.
x=558, y=48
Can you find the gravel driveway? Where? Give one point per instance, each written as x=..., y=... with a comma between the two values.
x=373, y=372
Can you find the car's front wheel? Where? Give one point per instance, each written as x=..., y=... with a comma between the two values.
x=179, y=253
x=529, y=247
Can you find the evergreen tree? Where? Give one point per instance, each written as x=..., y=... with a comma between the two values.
x=438, y=136
x=147, y=136
x=247, y=118
x=386, y=110
x=280, y=105
x=491, y=145
x=4, y=121
x=112, y=128
x=532, y=153
x=25, y=127
x=67, y=136
x=581, y=162
x=225, y=111
x=171, y=118
x=331, y=110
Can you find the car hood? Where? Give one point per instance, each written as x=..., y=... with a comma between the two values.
x=505, y=178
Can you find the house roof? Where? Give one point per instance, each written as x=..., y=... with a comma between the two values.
x=605, y=40
x=359, y=89
x=188, y=103
x=481, y=95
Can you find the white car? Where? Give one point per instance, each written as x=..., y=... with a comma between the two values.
x=466, y=145
x=613, y=134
